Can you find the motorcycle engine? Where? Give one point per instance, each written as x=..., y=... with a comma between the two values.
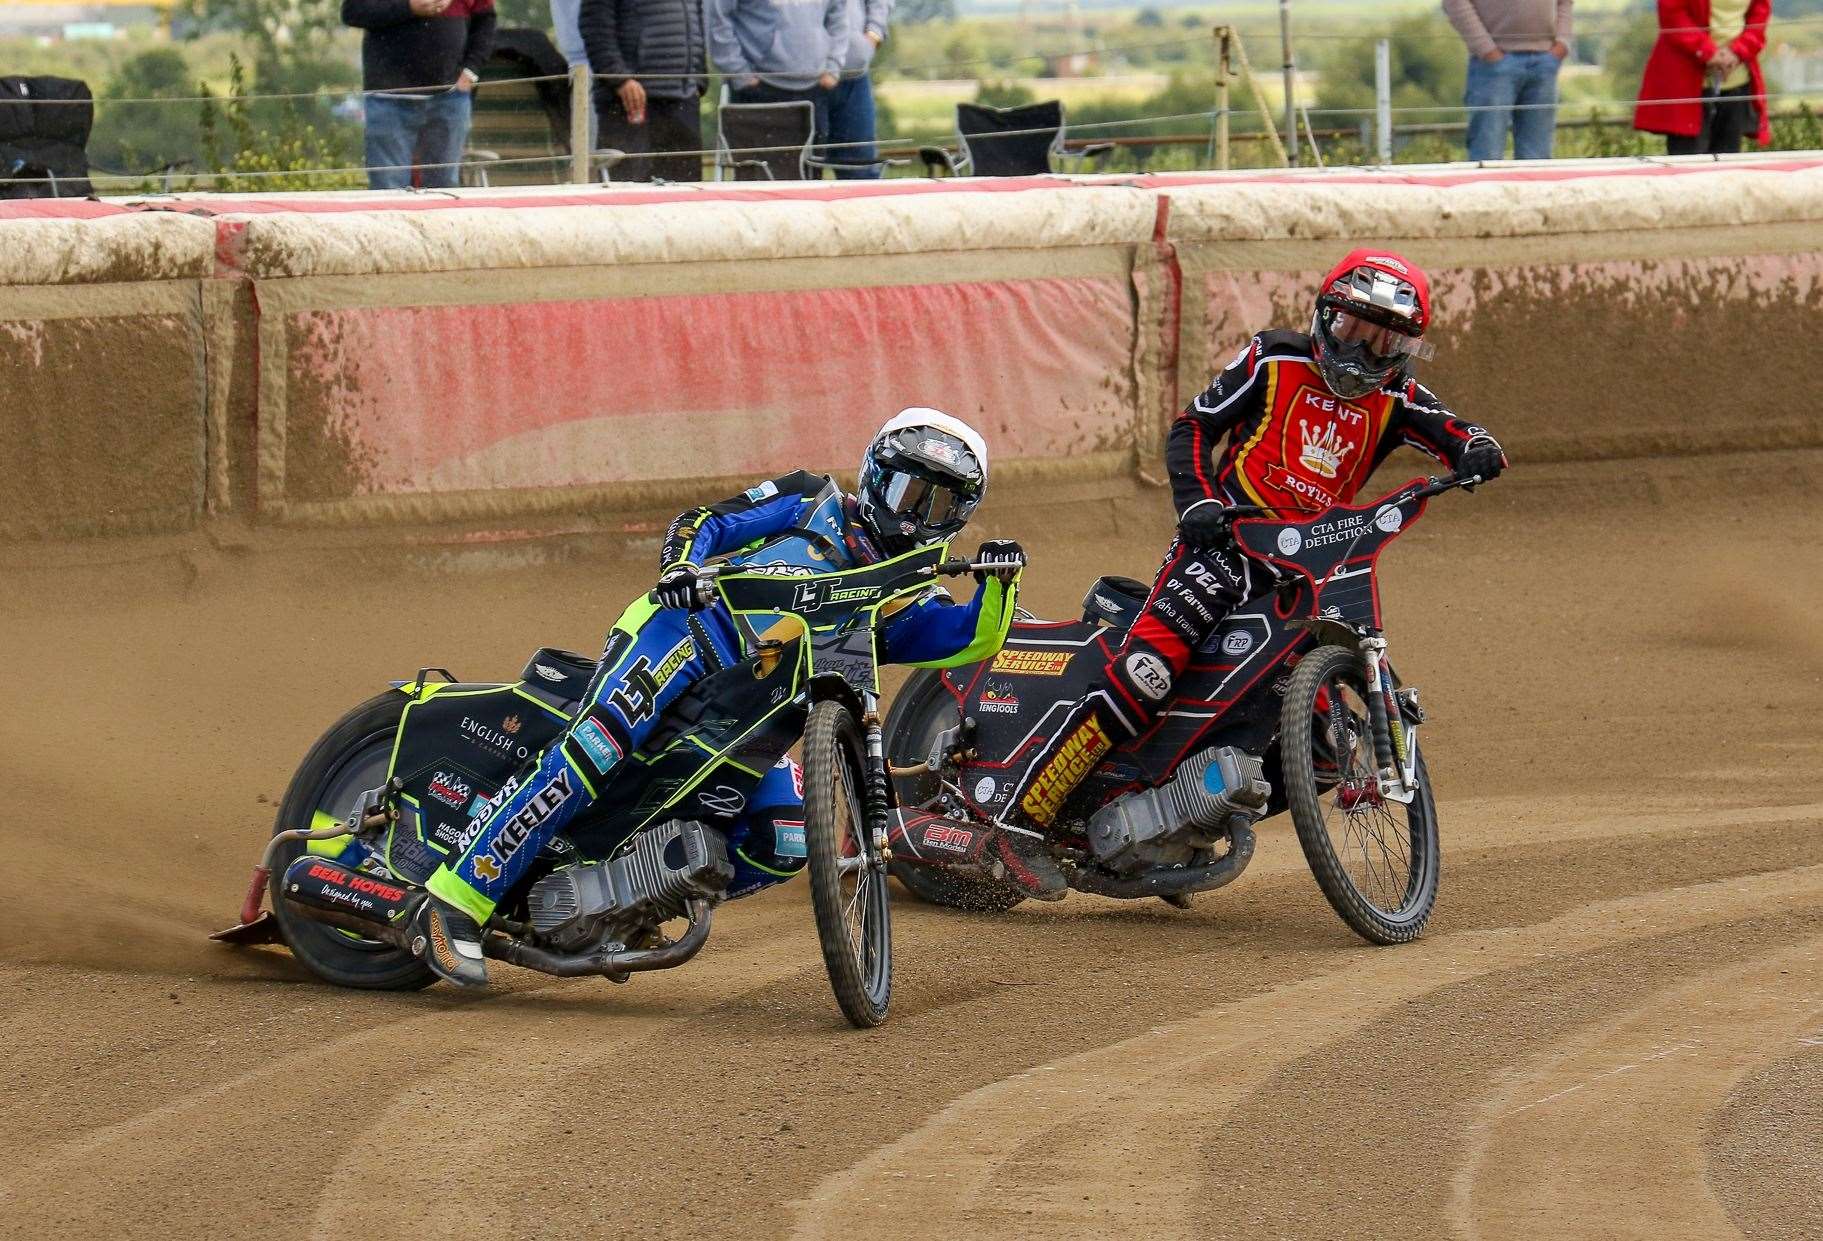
x=651, y=880
x=1187, y=814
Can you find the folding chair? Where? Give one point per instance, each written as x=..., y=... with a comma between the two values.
x=764, y=141
x=1025, y=141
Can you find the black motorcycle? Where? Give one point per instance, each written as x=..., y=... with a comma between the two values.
x=1290, y=704
x=410, y=771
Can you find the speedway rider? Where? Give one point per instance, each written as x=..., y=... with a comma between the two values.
x=921, y=478
x=1308, y=417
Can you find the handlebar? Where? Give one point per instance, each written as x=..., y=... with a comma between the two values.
x=706, y=576
x=1434, y=487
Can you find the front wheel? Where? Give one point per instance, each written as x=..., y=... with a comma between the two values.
x=1375, y=859
x=847, y=878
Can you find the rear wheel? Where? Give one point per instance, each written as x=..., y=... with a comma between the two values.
x=349, y=759
x=1375, y=859
x=847, y=880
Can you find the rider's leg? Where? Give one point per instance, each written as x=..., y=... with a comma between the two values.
x=1194, y=591
x=652, y=656
x=768, y=838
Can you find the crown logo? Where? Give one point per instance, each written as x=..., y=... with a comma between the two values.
x=510, y=724
x=1323, y=451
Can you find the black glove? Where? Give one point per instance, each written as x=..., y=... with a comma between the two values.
x=1203, y=526
x=677, y=588
x=1482, y=455
x=1006, y=556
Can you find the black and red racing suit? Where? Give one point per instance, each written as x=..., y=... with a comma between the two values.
x=1291, y=444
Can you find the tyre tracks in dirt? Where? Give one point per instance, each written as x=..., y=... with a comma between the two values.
x=1626, y=771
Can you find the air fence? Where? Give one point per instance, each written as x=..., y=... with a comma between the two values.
x=519, y=357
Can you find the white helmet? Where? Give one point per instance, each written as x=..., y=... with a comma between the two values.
x=921, y=478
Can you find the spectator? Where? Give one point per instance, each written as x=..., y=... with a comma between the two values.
x=425, y=57
x=1703, y=89
x=650, y=55
x=781, y=51
x=566, y=16
x=1515, y=50
x=851, y=101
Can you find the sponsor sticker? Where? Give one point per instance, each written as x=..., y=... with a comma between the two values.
x=722, y=799
x=1238, y=642
x=940, y=451
x=1151, y=675
x=788, y=838
x=674, y=659
x=513, y=834
x=595, y=742
x=1389, y=518
x=999, y=699
x=450, y=789
x=765, y=491
x=1073, y=761
x=547, y=672
x=948, y=837
x=1016, y=661
x=1290, y=541
x=984, y=790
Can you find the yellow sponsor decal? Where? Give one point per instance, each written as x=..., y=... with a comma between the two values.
x=677, y=658
x=1017, y=662
x=1073, y=760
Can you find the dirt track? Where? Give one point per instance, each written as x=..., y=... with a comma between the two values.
x=1614, y=1027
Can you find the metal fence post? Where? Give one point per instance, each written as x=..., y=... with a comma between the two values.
x=1223, y=69
x=1291, y=85
x=580, y=103
x=1383, y=100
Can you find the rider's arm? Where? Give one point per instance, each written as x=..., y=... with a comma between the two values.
x=937, y=632
x=757, y=513
x=1233, y=396
x=1421, y=421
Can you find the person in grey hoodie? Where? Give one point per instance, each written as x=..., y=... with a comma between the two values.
x=781, y=51
x=851, y=101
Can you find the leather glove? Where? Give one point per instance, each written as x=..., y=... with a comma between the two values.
x=677, y=588
x=1203, y=526
x=1007, y=557
x=1482, y=455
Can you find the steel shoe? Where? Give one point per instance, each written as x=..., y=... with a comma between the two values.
x=449, y=942
x=1026, y=858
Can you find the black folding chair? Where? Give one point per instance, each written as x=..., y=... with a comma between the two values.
x=774, y=142
x=1025, y=141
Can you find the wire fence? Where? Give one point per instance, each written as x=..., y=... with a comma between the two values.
x=314, y=163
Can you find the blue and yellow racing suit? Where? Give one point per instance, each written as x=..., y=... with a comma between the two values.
x=799, y=524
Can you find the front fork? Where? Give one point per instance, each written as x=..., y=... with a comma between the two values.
x=879, y=787
x=1395, y=736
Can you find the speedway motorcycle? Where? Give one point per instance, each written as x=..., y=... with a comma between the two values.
x=408, y=769
x=1291, y=703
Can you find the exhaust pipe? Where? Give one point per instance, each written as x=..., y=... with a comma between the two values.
x=1164, y=883
x=614, y=963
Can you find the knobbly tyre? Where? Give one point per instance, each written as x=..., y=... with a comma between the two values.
x=649, y=852
x=1290, y=704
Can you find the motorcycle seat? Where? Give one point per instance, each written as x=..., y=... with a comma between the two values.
x=1115, y=601
x=562, y=675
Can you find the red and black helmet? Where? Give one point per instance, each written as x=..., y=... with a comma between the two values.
x=1369, y=322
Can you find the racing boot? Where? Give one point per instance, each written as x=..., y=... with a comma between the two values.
x=450, y=943
x=1025, y=856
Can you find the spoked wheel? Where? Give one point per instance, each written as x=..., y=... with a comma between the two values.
x=847, y=875
x=1375, y=858
x=351, y=758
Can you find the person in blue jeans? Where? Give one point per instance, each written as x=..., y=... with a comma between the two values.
x=848, y=108
x=420, y=60
x=1515, y=50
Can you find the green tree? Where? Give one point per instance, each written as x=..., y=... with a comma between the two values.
x=1429, y=67
x=133, y=136
x=918, y=12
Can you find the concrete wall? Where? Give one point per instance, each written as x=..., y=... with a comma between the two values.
x=352, y=359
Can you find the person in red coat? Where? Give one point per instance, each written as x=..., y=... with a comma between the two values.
x=1703, y=89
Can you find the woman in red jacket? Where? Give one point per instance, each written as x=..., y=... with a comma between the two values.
x=1703, y=89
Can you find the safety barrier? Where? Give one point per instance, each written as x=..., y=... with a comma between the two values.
x=359, y=358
